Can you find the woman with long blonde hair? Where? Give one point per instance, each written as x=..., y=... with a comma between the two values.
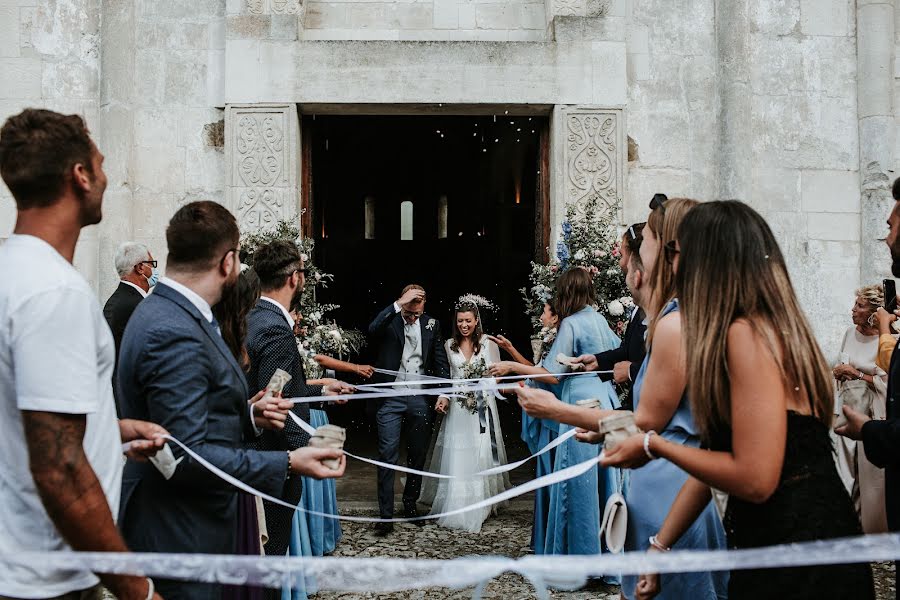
x=761, y=398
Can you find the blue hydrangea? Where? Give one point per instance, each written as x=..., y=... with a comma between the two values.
x=562, y=253
x=566, y=230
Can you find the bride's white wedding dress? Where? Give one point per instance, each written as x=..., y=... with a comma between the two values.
x=462, y=449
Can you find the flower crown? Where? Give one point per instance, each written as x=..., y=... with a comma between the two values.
x=474, y=300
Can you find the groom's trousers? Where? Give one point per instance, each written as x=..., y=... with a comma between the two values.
x=418, y=416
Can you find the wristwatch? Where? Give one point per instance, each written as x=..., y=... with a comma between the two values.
x=860, y=374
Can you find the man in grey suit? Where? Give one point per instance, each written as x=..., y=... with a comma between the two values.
x=175, y=368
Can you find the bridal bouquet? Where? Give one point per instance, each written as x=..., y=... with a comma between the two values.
x=475, y=369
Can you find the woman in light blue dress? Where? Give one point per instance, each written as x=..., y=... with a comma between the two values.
x=570, y=513
x=651, y=492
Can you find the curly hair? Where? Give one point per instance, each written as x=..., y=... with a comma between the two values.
x=873, y=295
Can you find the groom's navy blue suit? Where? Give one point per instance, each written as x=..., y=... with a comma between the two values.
x=417, y=411
x=175, y=370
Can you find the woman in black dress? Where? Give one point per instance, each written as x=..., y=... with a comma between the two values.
x=761, y=395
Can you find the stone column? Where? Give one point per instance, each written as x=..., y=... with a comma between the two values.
x=587, y=160
x=875, y=98
x=262, y=164
x=735, y=131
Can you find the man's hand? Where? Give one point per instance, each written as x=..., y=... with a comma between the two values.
x=145, y=438
x=622, y=372
x=539, y=404
x=308, y=461
x=589, y=361
x=855, y=422
x=333, y=387
x=442, y=405
x=413, y=295
x=270, y=413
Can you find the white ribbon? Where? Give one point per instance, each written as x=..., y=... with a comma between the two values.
x=555, y=477
x=492, y=471
x=480, y=384
x=382, y=574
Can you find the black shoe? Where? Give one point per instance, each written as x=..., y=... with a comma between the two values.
x=412, y=513
x=383, y=529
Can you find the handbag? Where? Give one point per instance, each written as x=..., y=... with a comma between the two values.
x=855, y=394
x=614, y=525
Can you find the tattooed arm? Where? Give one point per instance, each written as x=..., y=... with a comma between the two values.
x=71, y=492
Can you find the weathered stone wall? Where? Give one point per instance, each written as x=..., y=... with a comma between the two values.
x=757, y=101
x=50, y=57
x=787, y=104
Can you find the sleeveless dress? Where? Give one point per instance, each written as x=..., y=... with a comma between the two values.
x=651, y=493
x=572, y=518
x=810, y=503
x=467, y=442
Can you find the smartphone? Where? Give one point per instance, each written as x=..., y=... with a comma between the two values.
x=890, y=295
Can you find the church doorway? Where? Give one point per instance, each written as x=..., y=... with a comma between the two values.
x=456, y=203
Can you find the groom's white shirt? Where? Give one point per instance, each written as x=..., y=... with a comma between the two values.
x=411, y=359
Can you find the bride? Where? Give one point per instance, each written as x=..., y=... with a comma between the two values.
x=470, y=439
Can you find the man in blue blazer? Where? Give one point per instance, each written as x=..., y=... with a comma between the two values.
x=271, y=345
x=409, y=341
x=176, y=370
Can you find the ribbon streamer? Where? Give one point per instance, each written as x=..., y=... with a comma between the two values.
x=381, y=574
x=492, y=471
x=535, y=484
x=480, y=384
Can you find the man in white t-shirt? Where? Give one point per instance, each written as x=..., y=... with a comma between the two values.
x=60, y=478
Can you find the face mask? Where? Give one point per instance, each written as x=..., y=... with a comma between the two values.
x=154, y=277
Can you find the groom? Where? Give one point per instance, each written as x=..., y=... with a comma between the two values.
x=410, y=342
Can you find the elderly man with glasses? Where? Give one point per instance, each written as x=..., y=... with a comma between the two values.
x=137, y=274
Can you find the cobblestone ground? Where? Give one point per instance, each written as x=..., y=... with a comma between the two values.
x=507, y=535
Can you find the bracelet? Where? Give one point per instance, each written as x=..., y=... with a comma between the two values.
x=647, y=444
x=288, y=473
x=151, y=591
x=655, y=543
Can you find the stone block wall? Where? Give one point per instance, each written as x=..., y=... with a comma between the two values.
x=50, y=58
x=412, y=20
x=764, y=111
x=162, y=108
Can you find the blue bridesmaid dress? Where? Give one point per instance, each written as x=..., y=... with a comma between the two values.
x=651, y=492
x=572, y=516
x=537, y=433
x=314, y=535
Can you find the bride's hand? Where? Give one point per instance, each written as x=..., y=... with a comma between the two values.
x=442, y=405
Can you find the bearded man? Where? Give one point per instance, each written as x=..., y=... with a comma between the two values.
x=175, y=368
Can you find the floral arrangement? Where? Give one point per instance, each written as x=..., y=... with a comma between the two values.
x=475, y=369
x=318, y=334
x=479, y=302
x=589, y=240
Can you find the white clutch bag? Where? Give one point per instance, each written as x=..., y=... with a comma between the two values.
x=615, y=523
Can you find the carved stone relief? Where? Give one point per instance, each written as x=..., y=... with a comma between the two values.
x=580, y=8
x=274, y=7
x=593, y=156
x=262, y=148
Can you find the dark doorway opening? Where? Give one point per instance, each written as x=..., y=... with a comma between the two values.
x=455, y=203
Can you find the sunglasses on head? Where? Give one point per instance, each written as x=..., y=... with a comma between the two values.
x=659, y=201
x=671, y=251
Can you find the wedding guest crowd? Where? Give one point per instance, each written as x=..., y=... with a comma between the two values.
x=728, y=388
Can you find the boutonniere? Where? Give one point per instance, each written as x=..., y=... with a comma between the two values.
x=430, y=325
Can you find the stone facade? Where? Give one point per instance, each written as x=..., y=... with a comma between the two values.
x=787, y=104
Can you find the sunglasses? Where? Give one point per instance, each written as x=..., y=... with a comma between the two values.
x=152, y=263
x=671, y=252
x=659, y=201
